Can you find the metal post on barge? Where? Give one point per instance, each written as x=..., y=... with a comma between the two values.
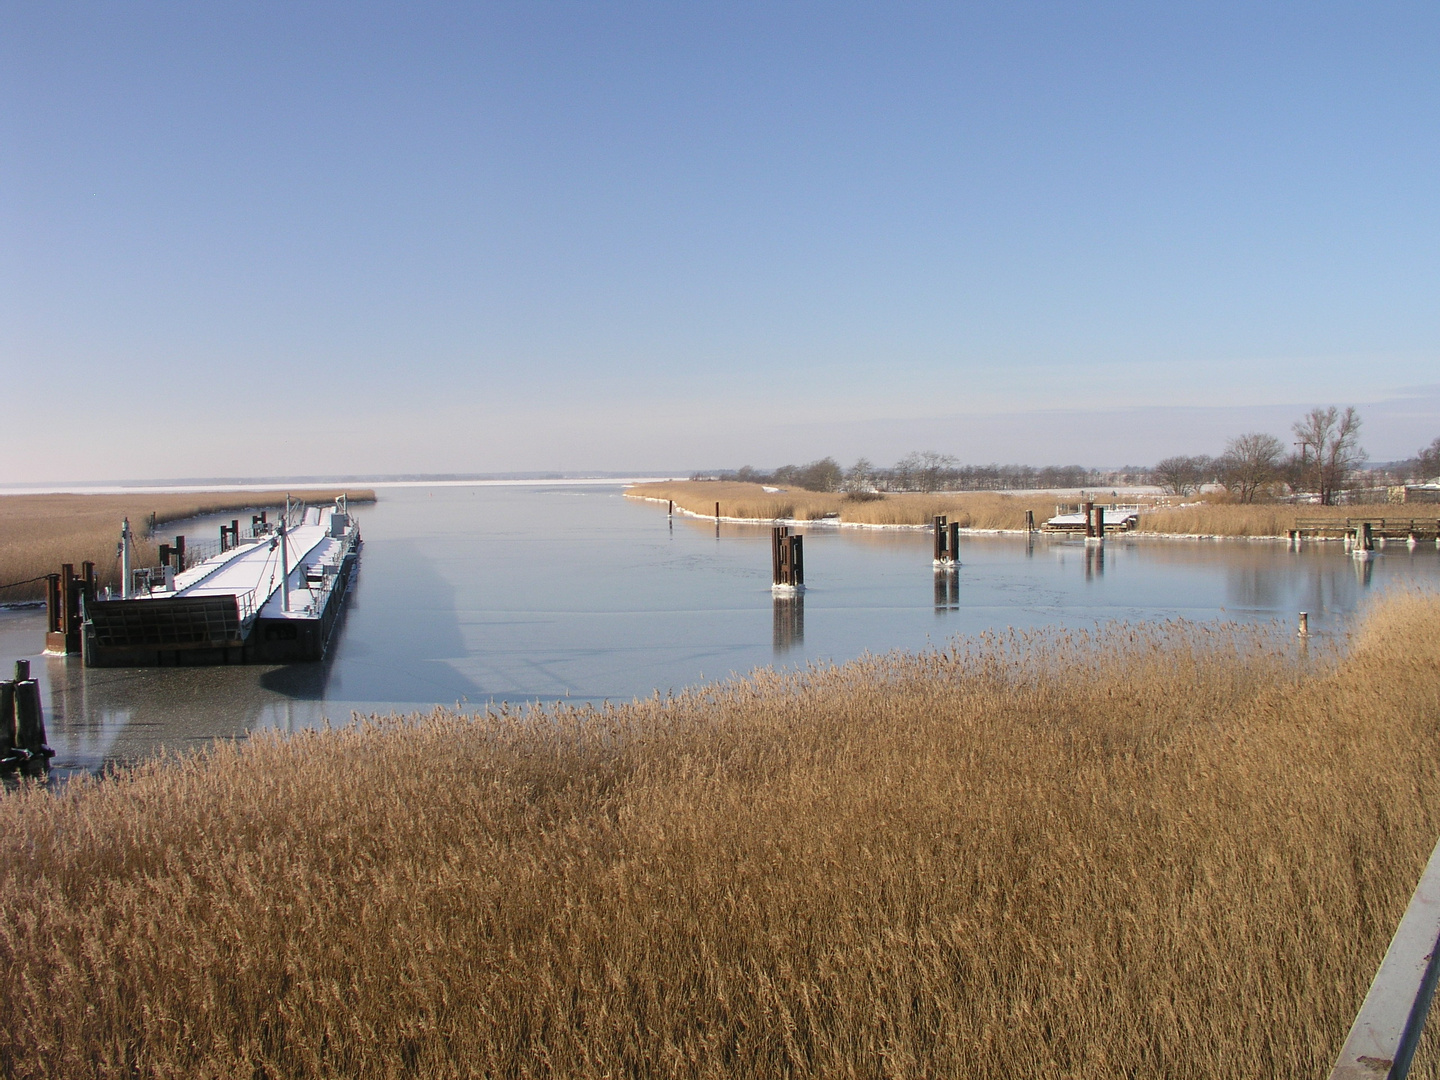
x=285, y=558
x=125, y=559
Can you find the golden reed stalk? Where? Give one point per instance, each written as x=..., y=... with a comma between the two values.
x=985, y=510
x=1174, y=850
x=40, y=532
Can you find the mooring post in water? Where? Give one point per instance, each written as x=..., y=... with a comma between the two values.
x=29, y=726
x=1304, y=624
x=939, y=523
x=787, y=559
x=670, y=510
x=1089, y=521
x=52, y=604
x=179, y=554
x=1029, y=521
x=8, y=757
x=717, y=511
x=1100, y=523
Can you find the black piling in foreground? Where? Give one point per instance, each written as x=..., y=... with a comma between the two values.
x=22, y=723
x=7, y=724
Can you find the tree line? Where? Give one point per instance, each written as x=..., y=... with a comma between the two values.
x=1324, y=461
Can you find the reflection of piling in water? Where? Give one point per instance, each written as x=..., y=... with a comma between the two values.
x=789, y=620
x=947, y=589
x=1094, y=560
x=787, y=560
x=1364, y=570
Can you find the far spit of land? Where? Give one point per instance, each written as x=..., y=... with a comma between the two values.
x=40, y=532
x=984, y=511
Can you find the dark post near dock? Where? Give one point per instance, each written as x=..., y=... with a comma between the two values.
x=65, y=596
x=947, y=540
x=1089, y=521
x=787, y=558
x=52, y=605
x=23, y=719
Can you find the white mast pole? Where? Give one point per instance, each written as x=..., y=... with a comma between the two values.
x=125, y=560
x=285, y=560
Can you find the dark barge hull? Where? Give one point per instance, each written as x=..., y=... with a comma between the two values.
x=207, y=630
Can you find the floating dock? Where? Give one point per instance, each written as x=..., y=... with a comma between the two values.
x=1093, y=520
x=270, y=598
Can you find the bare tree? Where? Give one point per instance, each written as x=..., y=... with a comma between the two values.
x=1427, y=462
x=1250, y=463
x=822, y=475
x=1182, y=475
x=1329, y=448
x=927, y=471
x=860, y=477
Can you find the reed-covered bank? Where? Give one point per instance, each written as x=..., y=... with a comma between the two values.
x=1151, y=851
x=988, y=511
x=974, y=510
x=39, y=532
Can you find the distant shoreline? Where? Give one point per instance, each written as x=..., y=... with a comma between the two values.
x=308, y=486
x=990, y=513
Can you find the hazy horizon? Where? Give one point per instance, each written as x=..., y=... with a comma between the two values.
x=246, y=240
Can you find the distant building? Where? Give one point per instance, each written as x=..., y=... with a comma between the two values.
x=1414, y=493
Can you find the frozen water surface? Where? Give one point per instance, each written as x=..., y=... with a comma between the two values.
x=503, y=593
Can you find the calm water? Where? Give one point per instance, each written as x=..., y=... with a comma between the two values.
x=475, y=594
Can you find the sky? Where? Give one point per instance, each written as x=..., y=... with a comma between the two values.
x=243, y=239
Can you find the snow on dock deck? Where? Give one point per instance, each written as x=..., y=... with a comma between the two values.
x=251, y=572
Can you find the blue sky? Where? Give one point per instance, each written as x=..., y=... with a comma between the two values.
x=250, y=238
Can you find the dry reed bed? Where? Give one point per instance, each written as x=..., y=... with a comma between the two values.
x=40, y=532
x=983, y=510
x=1174, y=850
x=973, y=510
x=1262, y=519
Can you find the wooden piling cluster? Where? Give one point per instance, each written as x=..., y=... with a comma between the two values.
x=65, y=596
x=787, y=558
x=1094, y=522
x=22, y=724
x=230, y=535
x=173, y=555
x=947, y=541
